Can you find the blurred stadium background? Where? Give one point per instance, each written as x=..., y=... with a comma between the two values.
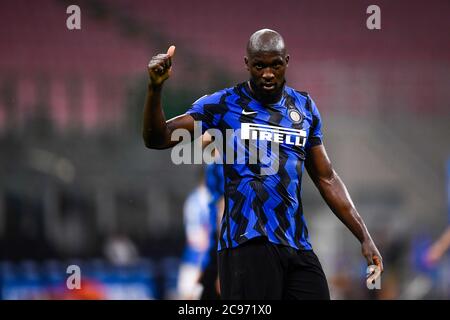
x=77, y=185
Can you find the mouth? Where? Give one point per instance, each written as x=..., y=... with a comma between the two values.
x=268, y=86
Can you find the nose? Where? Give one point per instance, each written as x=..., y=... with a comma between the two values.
x=268, y=75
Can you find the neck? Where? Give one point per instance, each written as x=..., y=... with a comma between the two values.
x=263, y=97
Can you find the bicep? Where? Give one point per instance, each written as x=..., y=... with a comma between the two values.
x=184, y=121
x=178, y=128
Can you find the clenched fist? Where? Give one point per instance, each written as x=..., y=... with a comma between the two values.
x=160, y=67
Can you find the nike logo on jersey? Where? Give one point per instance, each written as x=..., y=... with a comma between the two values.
x=246, y=113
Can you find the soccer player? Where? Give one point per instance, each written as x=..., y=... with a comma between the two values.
x=264, y=248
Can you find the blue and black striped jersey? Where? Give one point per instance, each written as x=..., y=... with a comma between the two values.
x=215, y=184
x=257, y=202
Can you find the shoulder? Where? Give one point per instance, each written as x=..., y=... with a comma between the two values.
x=214, y=98
x=303, y=97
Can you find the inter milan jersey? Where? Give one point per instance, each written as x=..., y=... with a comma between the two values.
x=261, y=199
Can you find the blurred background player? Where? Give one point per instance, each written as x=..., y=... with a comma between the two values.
x=439, y=248
x=215, y=184
x=198, y=276
x=198, y=229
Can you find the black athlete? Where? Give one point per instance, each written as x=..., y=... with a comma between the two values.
x=264, y=248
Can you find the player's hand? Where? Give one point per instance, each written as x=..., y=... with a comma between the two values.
x=160, y=67
x=373, y=257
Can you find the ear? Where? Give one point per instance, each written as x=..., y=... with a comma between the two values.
x=246, y=63
x=287, y=60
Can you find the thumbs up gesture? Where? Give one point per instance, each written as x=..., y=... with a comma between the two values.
x=160, y=67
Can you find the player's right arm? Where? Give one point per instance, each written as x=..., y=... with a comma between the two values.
x=156, y=131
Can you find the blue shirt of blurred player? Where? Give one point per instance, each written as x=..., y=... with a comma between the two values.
x=197, y=228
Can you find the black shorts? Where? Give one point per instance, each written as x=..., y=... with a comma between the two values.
x=259, y=269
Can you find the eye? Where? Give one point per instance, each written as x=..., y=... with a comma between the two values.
x=259, y=66
x=276, y=65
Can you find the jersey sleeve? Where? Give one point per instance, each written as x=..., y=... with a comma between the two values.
x=315, y=133
x=205, y=110
x=215, y=180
